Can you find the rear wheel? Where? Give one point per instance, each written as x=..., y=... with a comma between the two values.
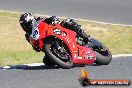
x=103, y=57
x=103, y=54
x=58, y=52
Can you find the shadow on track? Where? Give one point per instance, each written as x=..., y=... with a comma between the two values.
x=37, y=67
x=26, y=67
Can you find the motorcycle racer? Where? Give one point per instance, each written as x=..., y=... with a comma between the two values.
x=26, y=21
x=62, y=46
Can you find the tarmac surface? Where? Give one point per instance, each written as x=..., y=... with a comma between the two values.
x=110, y=11
x=22, y=76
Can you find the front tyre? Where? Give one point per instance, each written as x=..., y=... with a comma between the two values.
x=57, y=53
x=47, y=61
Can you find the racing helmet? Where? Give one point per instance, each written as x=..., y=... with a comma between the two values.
x=26, y=22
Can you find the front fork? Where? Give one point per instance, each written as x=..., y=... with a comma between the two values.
x=58, y=47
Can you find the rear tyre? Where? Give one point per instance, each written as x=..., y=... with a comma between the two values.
x=103, y=57
x=103, y=54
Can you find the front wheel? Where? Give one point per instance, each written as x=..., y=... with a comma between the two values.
x=58, y=53
x=47, y=61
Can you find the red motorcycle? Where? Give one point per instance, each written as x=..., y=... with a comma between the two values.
x=64, y=48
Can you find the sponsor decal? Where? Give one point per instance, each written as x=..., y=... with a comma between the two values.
x=88, y=56
x=57, y=31
x=69, y=40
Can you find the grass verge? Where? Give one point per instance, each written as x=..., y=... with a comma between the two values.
x=14, y=49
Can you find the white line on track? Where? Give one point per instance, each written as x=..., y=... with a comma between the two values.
x=42, y=64
x=122, y=55
x=75, y=18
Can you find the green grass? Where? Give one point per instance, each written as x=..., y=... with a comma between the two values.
x=20, y=57
x=14, y=49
